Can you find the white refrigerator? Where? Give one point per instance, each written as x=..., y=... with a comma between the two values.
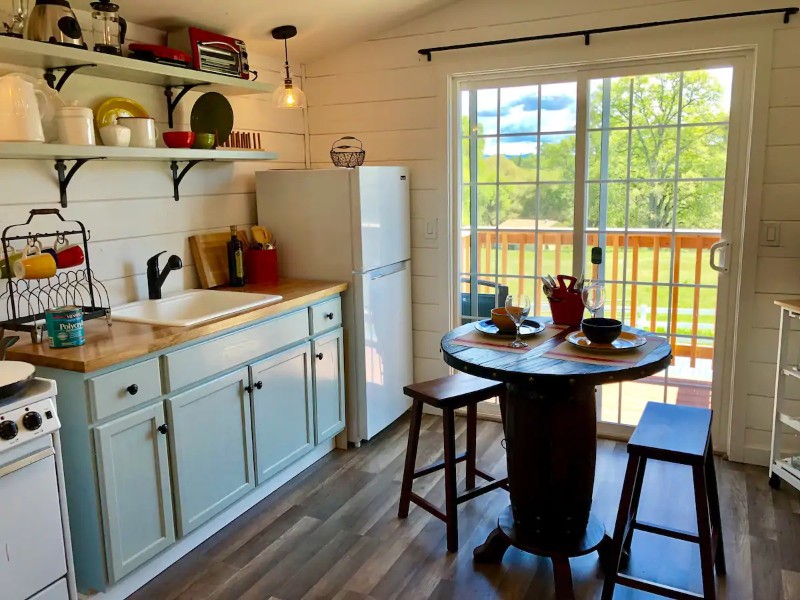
x=353, y=225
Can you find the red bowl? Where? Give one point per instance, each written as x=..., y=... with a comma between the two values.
x=179, y=139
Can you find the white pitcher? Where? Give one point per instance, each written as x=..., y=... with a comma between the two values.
x=22, y=108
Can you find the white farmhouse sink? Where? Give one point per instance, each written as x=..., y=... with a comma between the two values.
x=191, y=308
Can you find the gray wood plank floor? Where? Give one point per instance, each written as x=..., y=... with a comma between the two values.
x=333, y=533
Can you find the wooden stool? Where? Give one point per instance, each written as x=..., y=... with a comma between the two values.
x=448, y=394
x=675, y=434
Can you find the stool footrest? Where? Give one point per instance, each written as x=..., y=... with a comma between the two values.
x=657, y=588
x=677, y=534
x=481, y=489
x=422, y=503
x=437, y=466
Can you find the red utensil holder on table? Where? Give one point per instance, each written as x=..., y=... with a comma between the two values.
x=567, y=308
x=261, y=266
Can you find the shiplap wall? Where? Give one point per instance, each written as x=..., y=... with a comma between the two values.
x=384, y=93
x=128, y=206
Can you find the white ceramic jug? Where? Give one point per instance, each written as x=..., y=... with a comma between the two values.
x=22, y=108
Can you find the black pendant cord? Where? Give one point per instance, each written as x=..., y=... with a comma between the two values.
x=586, y=34
x=286, y=55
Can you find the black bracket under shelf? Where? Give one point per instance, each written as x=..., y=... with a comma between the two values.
x=172, y=103
x=50, y=75
x=177, y=178
x=64, y=176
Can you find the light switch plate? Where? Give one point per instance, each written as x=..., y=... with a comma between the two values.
x=431, y=229
x=770, y=234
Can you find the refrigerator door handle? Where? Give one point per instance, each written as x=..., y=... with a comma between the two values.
x=385, y=272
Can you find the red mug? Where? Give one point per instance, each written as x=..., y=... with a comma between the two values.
x=70, y=256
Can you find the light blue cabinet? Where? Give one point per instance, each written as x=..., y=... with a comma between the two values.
x=212, y=448
x=133, y=472
x=329, y=408
x=282, y=410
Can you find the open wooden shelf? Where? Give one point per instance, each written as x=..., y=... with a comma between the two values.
x=50, y=56
x=34, y=150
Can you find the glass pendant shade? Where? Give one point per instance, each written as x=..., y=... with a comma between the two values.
x=289, y=96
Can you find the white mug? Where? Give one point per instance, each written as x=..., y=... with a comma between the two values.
x=116, y=135
x=143, y=131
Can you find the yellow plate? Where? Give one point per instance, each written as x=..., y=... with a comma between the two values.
x=624, y=343
x=113, y=108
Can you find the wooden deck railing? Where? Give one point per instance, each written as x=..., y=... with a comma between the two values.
x=688, y=269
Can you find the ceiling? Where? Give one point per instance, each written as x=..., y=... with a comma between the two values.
x=323, y=25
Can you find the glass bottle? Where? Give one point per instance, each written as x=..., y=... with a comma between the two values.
x=235, y=259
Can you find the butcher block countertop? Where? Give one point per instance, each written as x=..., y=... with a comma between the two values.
x=107, y=346
x=792, y=304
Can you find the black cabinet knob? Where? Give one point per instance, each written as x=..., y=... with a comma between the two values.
x=32, y=421
x=8, y=430
x=329, y=316
x=259, y=385
x=248, y=389
x=320, y=356
x=163, y=429
x=133, y=389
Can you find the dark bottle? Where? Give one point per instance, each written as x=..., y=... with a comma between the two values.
x=235, y=259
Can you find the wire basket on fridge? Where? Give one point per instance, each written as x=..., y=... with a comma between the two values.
x=346, y=155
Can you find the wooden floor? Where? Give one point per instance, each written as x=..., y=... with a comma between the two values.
x=333, y=532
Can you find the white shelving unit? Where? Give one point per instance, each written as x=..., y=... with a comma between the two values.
x=781, y=468
x=60, y=59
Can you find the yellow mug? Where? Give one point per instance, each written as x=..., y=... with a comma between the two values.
x=37, y=266
x=13, y=257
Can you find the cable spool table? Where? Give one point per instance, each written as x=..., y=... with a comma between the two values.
x=550, y=426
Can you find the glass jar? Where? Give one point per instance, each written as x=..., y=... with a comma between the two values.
x=108, y=28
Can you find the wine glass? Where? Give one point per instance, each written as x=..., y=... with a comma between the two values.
x=594, y=297
x=518, y=308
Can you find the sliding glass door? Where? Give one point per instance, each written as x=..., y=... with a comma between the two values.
x=633, y=161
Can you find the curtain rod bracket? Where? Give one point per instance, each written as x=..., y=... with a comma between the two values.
x=587, y=39
x=787, y=16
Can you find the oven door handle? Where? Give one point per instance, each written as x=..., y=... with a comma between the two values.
x=220, y=44
x=26, y=461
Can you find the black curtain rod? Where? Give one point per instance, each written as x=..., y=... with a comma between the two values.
x=587, y=33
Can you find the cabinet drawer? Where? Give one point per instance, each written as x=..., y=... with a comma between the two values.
x=194, y=363
x=123, y=389
x=327, y=315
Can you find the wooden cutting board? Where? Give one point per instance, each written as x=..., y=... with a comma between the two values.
x=210, y=252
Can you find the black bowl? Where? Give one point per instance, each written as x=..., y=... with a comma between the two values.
x=601, y=331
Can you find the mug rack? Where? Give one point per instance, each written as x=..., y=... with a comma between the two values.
x=27, y=300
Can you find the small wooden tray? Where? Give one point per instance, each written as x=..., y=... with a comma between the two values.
x=210, y=252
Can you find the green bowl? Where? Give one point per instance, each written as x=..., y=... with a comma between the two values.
x=204, y=141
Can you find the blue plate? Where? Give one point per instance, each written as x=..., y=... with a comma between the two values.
x=529, y=328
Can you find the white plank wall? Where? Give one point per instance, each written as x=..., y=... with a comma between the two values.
x=382, y=92
x=128, y=206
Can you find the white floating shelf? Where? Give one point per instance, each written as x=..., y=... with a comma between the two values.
x=33, y=150
x=784, y=469
x=792, y=372
x=50, y=56
x=790, y=421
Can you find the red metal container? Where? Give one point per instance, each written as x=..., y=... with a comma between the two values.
x=261, y=266
x=566, y=303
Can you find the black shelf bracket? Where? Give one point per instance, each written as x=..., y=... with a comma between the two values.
x=177, y=178
x=172, y=103
x=64, y=176
x=50, y=75
x=787, y=12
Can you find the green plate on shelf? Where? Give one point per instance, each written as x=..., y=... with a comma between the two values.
x=212, y=113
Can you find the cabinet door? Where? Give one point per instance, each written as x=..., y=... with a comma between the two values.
x=328, y=386
x=212, y=447
x=282, y=410
x=133, y=469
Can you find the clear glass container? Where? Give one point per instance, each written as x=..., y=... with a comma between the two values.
x=108, y=28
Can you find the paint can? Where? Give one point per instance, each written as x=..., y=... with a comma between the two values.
x=65, y=327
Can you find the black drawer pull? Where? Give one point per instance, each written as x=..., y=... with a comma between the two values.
x=259, y=385
x=248, y=389
x=163, y=429
x=320, y=356
x=133, y=389
x=329, y=316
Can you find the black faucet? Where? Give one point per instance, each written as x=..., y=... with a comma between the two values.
x=155, y=279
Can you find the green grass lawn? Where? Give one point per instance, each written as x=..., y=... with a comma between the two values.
x=686, y=304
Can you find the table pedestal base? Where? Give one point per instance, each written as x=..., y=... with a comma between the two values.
x=506, y=535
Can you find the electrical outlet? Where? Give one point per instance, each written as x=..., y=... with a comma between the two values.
x=431, y=229
x=770, y=234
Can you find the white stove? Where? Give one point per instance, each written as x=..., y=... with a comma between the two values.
x=35, y=550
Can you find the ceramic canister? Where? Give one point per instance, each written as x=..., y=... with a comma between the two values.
x=65, y=327
x=75, y=126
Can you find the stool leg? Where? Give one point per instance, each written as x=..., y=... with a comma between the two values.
x=450, y=491
x=563, y=578
x=704, y=532
x=637, y=495
x=620, y=529
x=716, y=518
x=411, y=459
x=472, y=436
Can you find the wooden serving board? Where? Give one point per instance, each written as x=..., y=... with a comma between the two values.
x=210, y=252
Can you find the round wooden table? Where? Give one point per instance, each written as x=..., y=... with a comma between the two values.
x=550, y=426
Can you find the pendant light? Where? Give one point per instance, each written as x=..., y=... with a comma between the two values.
x=288, y=95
